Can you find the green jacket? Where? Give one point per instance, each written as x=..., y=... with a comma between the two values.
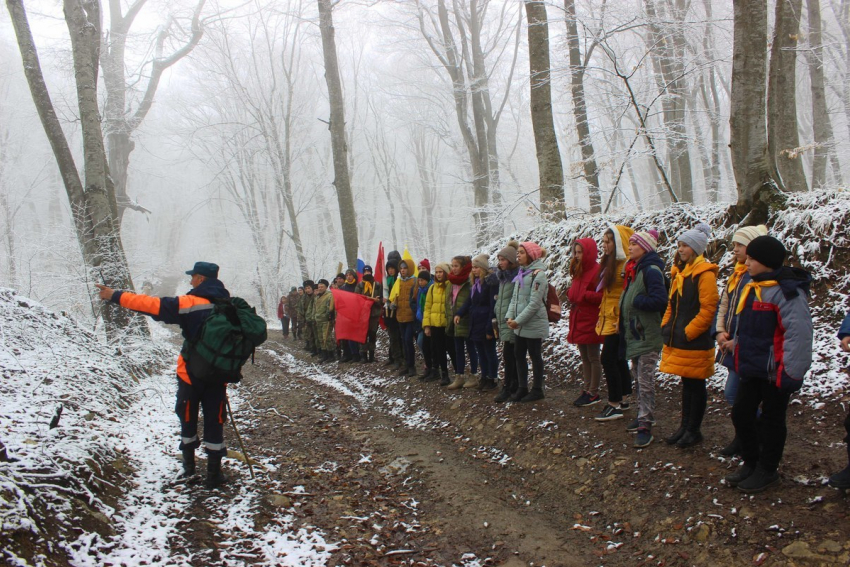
x=641, y=308
x=528, y=303
x=461, y=330
x=308, y=310
x=503, y=301
x=322, y=307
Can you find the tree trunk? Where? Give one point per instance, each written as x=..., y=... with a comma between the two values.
x=577, y=69
x=550, y=169
x=821, y=124
x=342, y=180
x=783, y=139
x=93, y=206
x=667, y=45
x=748, y=120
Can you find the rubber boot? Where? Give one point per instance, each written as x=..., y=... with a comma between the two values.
x=686, y=413
x=458, y=382
x=215, y=477
x=188, y=464
x=693, y=435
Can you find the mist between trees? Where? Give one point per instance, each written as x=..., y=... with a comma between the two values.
x=283, y=139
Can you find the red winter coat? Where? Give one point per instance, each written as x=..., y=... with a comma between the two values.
x=584, y=299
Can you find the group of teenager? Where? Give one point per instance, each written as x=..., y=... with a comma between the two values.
x=629, y=319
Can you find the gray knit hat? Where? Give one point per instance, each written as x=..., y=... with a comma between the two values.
x=482, y=261
x=509, y=252
x=697, y=238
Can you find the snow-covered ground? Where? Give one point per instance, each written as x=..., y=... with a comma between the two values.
x=114, y=417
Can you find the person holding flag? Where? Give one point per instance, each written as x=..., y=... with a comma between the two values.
x=373, y=290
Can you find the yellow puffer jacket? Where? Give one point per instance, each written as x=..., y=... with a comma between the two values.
x=435, y=306
x=609, y=308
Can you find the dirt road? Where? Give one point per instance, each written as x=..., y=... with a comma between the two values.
x=395, y=471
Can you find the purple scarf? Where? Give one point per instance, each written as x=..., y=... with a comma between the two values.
x=520, y=277
x=476, y=287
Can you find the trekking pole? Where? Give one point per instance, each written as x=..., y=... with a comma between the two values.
x=238, y=438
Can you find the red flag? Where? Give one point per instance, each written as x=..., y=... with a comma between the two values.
x=352, y=315
x=378, y=272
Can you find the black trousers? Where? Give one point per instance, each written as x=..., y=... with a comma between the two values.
x=509, y=358
x=616, y=369
x=847, y=429
x=189, y=399
x=534, y=348
x=762, y=440
x=438, y=349
x=284, y=325
x=396, y=352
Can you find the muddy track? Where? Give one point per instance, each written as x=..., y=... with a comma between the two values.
x=397, y=471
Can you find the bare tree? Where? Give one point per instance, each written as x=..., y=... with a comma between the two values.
x=783, y=139
x=550, y=169
x=755, y=171
x=93, y=205
x=821, y=123
x=577, y=72
x=342, y=180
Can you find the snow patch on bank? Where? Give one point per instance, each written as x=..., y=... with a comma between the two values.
x=99, y=486
x=815, y=227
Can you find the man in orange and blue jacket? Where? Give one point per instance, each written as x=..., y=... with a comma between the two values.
x=189, y=311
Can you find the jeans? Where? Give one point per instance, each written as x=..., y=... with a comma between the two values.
x=762, y=440
x=731, y=388
x=643, y=371
x=591, y=367
x=534, y=348
x=616, y=369
x=462, y=346
x=486, y=351
x=284, y=326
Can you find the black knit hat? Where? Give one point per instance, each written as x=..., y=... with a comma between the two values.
x=768, y=251
x=424, y=275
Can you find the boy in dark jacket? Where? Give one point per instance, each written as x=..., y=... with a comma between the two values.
x=374, y=291
x=773, y=352
x=841, y=479
x=643, y=302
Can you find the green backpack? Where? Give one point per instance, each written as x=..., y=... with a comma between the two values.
x=224, y=343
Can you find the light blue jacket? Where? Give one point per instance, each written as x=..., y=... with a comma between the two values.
x=528, y=303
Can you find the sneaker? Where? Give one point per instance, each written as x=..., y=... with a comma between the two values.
x=624, y=405
x=610, y=413
x=759, y=481
x=644, y=437
x=587, y=399
x=633, y=426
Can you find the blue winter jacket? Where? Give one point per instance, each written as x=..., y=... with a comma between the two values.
x=775, y=334
x=844, y=331
x=726, y=320
x=480, y=306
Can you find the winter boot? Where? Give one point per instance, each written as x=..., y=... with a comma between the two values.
x=743, y=473
x=689, y=439
x=356, y=357
x=444, y=378
x=489, y=384
x=686, y=413
x=411, y=371
x=841, y=480
x=534, y=395
x=759, y=481
x=425, y=375
x=389, y=362
x=433, y=375
x=323, y=357
x=503, y=394
x=458, y=382
x=732, y=449
x=471, y=381
x=215, y=477
x=346, y=357
x=188, y=464
x=518, y=395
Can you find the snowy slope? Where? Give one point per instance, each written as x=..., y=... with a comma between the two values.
x=98, y=488
x=814, y=227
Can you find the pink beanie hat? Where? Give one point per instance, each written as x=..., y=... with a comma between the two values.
x=533, y=250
